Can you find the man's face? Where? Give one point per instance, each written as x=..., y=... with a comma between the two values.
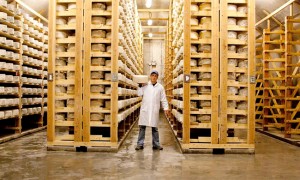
x=153, y=78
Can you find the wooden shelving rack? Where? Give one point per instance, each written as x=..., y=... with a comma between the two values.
x=259, y=82
x=106, y=103
x=21, y=84
x=202, y=76
x=292, y=78
x=273, y=79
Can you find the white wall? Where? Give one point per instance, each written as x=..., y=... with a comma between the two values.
x=154, y=50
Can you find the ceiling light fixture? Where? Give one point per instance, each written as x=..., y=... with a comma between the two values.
x=149, y=22
x=148, y=3
x=150, y=35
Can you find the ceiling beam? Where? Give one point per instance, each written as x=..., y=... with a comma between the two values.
x=156, y=19
x=275, y=12
x=31, y=10
x=153, y=10
x=154, y=26
x=154, y=32
x=273, y=18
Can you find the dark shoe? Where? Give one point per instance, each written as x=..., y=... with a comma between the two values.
x=157, y=148
x=139, y=148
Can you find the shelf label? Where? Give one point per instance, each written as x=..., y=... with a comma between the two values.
x=187, y=78
x=252, y=80
x=50, y=76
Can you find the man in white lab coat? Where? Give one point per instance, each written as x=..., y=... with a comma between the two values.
x=153, y=94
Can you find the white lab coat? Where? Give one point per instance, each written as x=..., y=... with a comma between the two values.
x=152, y=96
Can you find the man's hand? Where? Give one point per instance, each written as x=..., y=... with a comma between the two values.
x=142, y=85
x=168, y=113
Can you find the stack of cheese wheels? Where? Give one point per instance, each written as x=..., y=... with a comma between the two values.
x=98, y=34
x=205, y=34
x=98, y=20
x=98, y=47
x=97, y=88
x=98, y=6
x=205, y=7
x=232, y=90
x=243, y=92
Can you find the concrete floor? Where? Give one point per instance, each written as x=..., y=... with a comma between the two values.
x=27, y=158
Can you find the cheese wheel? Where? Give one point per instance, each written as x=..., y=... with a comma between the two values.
x=61, y=21
x=204, y=48
x=109, y=8
x=98, y=47
x=71, y=75
x=98, y=6
x=70, y=89
x=232, y=48
x=107, y=77
x=232, y=62
x=205, y=34
x=243, y=78
x=193, y=104
x=71, y=20
x=98, y=61
x=231, y=76
x=97, y=75
x=242, y=105
x=194, y=22
x=194, y=8
x=107, y=62
x=205, y=103
x=232, y=35
x=242, y=22
x=108, y=22
x=243, y=92
x=232, y=7
x=70, y=102
x=98, y=33
x=242, y=50
x=193, y=62
x=108, y=35
x=97, y=88
x=204, y=118
x=97, y=102
x=231, y=104
x=193, y=90
x=71, y=47
x=71, y=116
x=243, y=9
x=107, y=117
x=71, y=60
x=107, y=104
x=205, y=7
x=194, y=35
x=60, y=117
x=243, y=36
x=232, y=90
x=107, y=90
x=60, y=76
x=231, y=21
x=205, y=75
x=71, y=6
x=193, y=49
x=205, y=20
x=231, y=118
x=98, y=20
x=243, y=64
x=60, y=48
x=193, y=77
x=241, y=119
x=61, y=7
x=59, y=103
x=60, y=89
x=108, y=49
x=97, y=116
x=204, y=61
x=61, y=34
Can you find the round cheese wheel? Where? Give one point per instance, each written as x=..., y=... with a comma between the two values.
x=242, y=50
x=194, y=35
x=243, y=9
x=97, y=117
x=205, y=7
x=98, y=20
x=60, y=117
x=98, y=6
x=71, y=60
x=70, y=89
x=61, y=21
x=205, y=103
x=60, y=48
x=232, y=35
x=71, y=20
x=243, y=78
x=108, y=22
x=231, y=21
x=232, y=62
x=241, y=119
x=204, y=48
x=243, y=64
x=243, y=92
x=71, y=47
x=108, y=35
x=97, y=75
x=204, y=117
x=70, y=102
x=232, y=48
x=232, y=90
x=71, y=75
x=98, y=34
x=232, y=7
x=61, y=34
x=61, y=7
x=231, y=104
x=194, y=8
x=205, y=34
x=205, y=20
x=205, y=75
x=194, y=22
x=193, y=62
x=242, y=105
x=242, y=22
x=60, y=62
x=60, y=76
x=60, y=89
x=231, y=118
x=97, y=102
x=204, y=61
x=243, y=36
x=98, y=47
x=109, y=8
x=97, y=88
x=194, y=49
x=108, y=49
x=71, y=6
x=98, y=61
x=231, y=76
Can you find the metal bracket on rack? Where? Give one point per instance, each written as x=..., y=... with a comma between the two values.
x=50, y=76
x=252, y=80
